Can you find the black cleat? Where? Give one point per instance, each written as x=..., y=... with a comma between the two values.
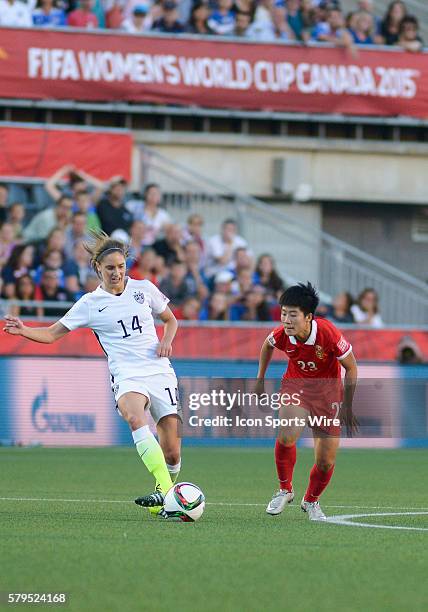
x=151, y=500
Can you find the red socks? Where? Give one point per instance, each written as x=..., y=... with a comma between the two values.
x=318, y=481
x=285, y=459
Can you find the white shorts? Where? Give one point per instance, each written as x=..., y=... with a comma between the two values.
x=160, y=389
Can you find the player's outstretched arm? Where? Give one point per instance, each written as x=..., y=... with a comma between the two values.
x=264, y=360
x=350, y=383
x=46, y=335
x=169, y=331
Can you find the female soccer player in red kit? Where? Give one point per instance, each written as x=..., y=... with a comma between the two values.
x=312, y=393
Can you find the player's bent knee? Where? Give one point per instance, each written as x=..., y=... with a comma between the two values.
x=287, y=438
x=324, y=466
x=135, y=421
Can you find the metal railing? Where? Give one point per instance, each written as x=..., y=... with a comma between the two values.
x=334, y=264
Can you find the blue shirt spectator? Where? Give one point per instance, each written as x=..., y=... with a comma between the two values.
x=47, y=15
x=222, y=21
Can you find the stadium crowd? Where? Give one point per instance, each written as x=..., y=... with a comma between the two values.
x=302, y=21
x=206, y=278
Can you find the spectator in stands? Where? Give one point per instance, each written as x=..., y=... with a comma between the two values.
x=84, y=16
x=333, y=30
x=4, y=196
x=190, y=310
x=92, y=283
x=340, y=310
x=45, y=221
x=54, y=260
x=25, y=289
x=222, y=247
x=55, y=240
x=75, y=232
x=283, y=30
x=242, y=284
x=154, y=217
x=253, y=308
x=77, y=269
x=195, y=276
x=223, y=284
x=390, y=27
x=170, y=247
x=243, y=260
x=160, y=269
x=144, y=266
x=408, y=36
x=50, y=290
x=16, y=216
x=14, y=13
x=263, y=27
x=47, y=14
x=366, y=310
x=222, y=19
x=169, y=22
x=310, y=16
x=111, y=209
x=193, y=233
x=21, y=261
x=242, y=23
x=83, y=204
x=295, y=18
x=218, y=308
x=175, y=285
x=362, y=30
x=367, y=6
x=79, y=180
x=7, y=242
x=267, y=276
x=140, y=22
x=137, y=239
x=198, y=23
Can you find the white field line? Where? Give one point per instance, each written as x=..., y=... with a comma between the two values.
x=128, y=501
x=347, y=519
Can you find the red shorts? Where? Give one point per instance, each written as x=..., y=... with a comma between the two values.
x=321, y=398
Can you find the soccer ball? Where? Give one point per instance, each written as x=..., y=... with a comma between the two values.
x=185, y=502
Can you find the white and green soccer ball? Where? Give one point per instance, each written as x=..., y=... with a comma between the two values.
x=184, y=502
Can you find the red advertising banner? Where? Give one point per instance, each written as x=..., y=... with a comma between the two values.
x=210, y=73
x=31, y=152
x=220, y=343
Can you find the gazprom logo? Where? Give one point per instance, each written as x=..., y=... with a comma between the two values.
x=59, y=422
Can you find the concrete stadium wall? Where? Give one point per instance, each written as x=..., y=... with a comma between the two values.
x=335, y=170
x=378, y=229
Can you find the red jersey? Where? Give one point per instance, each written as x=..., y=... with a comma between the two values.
x=318, y=357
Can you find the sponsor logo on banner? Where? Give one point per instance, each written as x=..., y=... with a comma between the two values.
x=59, y=421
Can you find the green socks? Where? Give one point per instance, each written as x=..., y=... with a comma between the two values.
x=151, y=453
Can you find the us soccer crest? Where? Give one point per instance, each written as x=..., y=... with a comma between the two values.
x=319, y=351
x=139, y=297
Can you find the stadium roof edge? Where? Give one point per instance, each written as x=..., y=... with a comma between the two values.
x=123, y=107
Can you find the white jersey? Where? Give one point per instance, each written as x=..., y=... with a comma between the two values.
x=124, y=327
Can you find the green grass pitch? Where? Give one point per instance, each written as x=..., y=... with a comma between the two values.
x=113, y=556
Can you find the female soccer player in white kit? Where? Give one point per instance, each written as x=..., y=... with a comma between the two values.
x=120, y=312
